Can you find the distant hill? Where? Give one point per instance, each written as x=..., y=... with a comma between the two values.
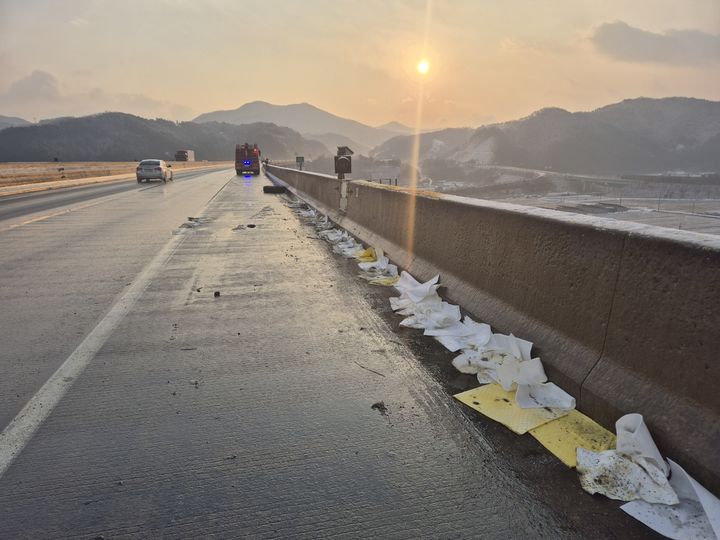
x=674, y=120
x=124, y=137
x=12, y=121
x=634, y=136
x=55, y=119
x=333, y=140
x=301, y=117
x=398, y=128
x=434, y=144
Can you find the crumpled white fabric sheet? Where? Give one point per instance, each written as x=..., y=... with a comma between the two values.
x=380, y=262
x=514, y=346
x=295, y=204
x=635, y=442
x=506, y=359
x=500, y=358
x=343, y=243
x=431, y=315
x=618, y=477
x=696, y=517
x=382, y=270
x=322, y=223
x=406, y=282
x=379, y=268
x=420, y=298
x=638, y=474
x=334, y=235
x=526, y=376
x=476, y=363
x=515, y=370
x=470, y=361
x=309, y=213
x=349, y=248
x=465, y=334
x=422, y=305
x=413, y=291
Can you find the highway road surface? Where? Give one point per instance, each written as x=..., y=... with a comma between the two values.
x=136, y=403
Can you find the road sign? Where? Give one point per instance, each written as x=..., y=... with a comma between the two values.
x=343, y=164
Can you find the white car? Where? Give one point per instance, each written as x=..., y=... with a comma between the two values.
x=153, y=169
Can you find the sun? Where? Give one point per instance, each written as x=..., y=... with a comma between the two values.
x=423, y=66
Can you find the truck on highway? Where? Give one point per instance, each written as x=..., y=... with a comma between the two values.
x=185, y=155
x=247, y=159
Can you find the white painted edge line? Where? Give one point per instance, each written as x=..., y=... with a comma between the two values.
x=21, y=429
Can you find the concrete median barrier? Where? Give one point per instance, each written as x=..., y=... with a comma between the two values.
x=323, y=189
x=623, y=315
x=661, y=353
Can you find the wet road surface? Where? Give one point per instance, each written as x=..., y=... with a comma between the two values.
x=27, y=205
x=247, y=414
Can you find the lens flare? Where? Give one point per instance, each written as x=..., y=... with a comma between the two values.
x=423, y=66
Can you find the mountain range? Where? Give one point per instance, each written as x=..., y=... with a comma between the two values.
x=308, y=120
x=640, y=135
x=12, y=121
x=634, y=136
x=124, y=137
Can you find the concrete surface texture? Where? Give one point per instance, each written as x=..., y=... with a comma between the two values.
x=248, y=414
x=624, y=316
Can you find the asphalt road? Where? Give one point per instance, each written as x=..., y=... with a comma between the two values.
x=67, y=255
x=249, y=414
x=25, y=205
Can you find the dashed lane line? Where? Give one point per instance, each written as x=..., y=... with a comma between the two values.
x=21, y=429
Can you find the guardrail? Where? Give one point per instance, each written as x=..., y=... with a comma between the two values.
x=626, y=317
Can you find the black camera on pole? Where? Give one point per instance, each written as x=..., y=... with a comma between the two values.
x=343, y=162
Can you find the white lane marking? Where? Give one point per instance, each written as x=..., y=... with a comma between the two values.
x=103, y=199
x=22, y=428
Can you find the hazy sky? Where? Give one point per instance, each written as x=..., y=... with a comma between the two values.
x=490, y=59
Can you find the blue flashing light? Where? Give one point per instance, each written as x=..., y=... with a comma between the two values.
x=246, y=162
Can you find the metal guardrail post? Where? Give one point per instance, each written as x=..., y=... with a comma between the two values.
x=343, y=195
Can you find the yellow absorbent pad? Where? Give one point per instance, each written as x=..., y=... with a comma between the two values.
x=367, y=255
x=565, y=435
x=499, y=405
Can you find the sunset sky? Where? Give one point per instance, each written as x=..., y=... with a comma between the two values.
x=490, y=60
